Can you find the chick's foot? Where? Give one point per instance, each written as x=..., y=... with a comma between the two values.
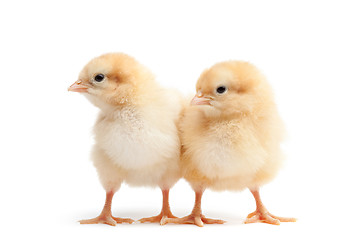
x=105, y=216
x=197, y=220
x=266, y=217
x=106, y=219
x=261, y=214
x=157, y=219
x=195, y=217
x=165, y=212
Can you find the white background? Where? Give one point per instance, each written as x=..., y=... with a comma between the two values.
x=308, y=49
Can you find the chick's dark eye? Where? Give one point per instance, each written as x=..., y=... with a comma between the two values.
x=221, y=89
x=99, y=77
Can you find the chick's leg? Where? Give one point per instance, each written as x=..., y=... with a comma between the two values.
x=195, y=217
x=261, y=214
x=106, y=216
x=165, y=211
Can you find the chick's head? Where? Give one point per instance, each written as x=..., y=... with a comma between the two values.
x=231, y=88
x=113, y=78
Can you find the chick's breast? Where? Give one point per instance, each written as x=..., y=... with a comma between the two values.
x=227, y=154
x=134, y=143
x=143, y=141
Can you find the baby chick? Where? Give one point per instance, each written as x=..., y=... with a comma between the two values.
x=231, y=137
x=136, y=136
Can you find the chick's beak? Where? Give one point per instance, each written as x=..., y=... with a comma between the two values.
x=78, y=86
x=199, y=99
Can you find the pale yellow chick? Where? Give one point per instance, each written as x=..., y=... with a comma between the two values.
x=136, y=135
x=231, y=137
